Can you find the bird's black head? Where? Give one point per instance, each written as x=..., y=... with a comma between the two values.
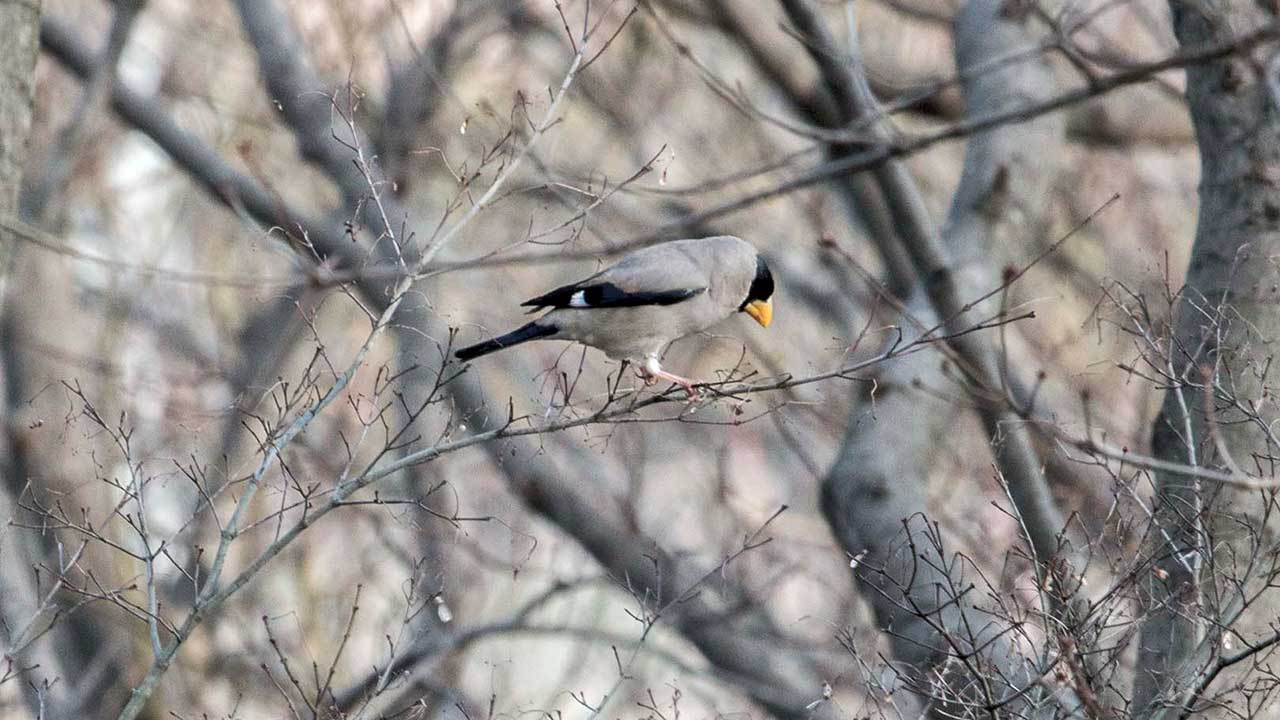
x=761, y=286
x=758, y=304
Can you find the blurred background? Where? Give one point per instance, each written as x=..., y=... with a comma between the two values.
x=217, y=197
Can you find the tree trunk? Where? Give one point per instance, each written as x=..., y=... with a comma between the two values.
x=875, y=495
x=56, y=661
x=1227, y=321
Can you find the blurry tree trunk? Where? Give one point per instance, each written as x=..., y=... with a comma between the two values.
x=876, y=493
x=946, y=289
x=58, y=659
x=1226, y=326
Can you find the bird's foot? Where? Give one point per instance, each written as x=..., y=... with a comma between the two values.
x=685, y=383
x=652, y=372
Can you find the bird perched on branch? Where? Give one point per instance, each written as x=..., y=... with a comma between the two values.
x=651, y=297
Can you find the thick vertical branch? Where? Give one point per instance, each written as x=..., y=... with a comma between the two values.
x=829, y=107
x=1226, y=326
x=307, y=105
x=876, y=492
x=416, y=89
x=947, y=290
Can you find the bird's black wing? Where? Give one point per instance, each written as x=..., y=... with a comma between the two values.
x=591, y=295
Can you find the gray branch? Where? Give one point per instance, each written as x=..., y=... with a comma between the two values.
x=948, y=291
x=828, y=107
x=234, y=189
x=875, y=495
x=61, y=159
x=308, y=106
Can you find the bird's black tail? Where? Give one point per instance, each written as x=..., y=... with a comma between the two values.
x=532, y=331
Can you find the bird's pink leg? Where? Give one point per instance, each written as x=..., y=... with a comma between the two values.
x=654, y=372
x=685, y=383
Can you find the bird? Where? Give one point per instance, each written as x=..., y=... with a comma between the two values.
x=652, y=296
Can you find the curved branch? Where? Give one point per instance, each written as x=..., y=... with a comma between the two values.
x=880, y=478
x=236, y=190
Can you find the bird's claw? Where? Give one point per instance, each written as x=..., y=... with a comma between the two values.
x=692, y=392
x=652, y=376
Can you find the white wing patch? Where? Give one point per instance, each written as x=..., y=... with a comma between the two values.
x=578, y=299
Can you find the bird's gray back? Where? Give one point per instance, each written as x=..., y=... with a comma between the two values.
x=724, y=265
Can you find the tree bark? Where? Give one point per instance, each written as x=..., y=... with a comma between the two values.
x=875, y=495
x=1226, y=325
x=58, y=660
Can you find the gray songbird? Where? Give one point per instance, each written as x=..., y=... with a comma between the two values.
x=651, y=297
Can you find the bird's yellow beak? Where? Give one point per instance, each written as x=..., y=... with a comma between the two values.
x=761, y=311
